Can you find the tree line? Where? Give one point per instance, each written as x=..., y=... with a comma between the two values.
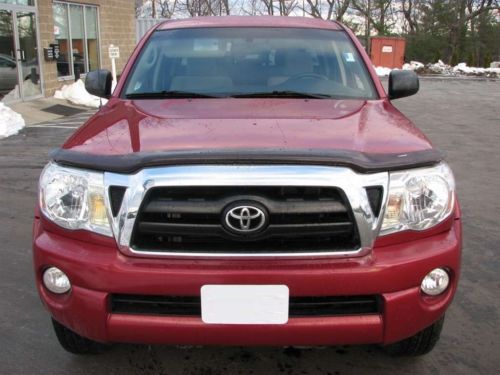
x=450, y=30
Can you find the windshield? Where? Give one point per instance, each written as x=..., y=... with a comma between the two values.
x=250, y=62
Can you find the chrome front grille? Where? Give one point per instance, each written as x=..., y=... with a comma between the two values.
x=312, y=210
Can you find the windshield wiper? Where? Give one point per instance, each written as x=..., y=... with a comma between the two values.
x=263, y=94
x=168, y=94
x=282, y=94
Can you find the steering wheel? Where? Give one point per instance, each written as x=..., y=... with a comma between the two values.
x=300, y=76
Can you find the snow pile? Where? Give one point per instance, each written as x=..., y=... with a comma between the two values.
x=462, y=68
x=12, y=95
x=77, y=94
x=381, y=71
x=416, y=66
x=10, y=122
x=29, y=89
x=439, y=68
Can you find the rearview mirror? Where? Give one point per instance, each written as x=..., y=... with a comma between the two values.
x=98, y=83
x=402, y=83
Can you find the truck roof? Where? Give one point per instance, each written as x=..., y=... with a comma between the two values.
x=250, y=21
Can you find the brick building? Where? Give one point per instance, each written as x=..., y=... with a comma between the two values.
x=47, y=43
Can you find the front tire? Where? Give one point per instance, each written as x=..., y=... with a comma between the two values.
x=421, y=343
x=76, y=344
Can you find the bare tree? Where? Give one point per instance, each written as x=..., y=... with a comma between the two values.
x=225, y=7
x=194, y=8
x=167, y=8
x=409, y=8
x=269, y=6
x=286, y=7
x=332, y=10
x=314, y=8
x=138, y=7
x=341, y=7
x=251, y=7
x=375, y=11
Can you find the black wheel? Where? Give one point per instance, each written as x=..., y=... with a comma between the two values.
x=76, y=344
x=421, y=343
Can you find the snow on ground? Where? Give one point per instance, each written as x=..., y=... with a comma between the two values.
x=76, y=94
x=440, y=68
x=10, y=122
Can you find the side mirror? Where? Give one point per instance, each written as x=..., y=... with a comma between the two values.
x=402, y=83
x=98, y=83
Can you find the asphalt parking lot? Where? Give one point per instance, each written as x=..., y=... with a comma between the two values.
x=460, y=117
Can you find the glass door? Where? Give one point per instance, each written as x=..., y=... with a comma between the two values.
x=19, y=64
x=27, y=55
x=9, y=88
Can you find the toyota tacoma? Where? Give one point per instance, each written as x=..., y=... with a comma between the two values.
x=248, y=182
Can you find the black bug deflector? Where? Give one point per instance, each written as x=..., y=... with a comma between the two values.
x=360, y=162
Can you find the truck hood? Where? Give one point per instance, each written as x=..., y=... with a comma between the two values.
x=123, y=127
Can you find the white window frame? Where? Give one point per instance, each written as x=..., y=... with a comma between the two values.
x=67, y=4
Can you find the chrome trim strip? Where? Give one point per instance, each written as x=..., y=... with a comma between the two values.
x=350, y=182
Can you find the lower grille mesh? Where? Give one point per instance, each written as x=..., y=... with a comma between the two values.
x=191, y=305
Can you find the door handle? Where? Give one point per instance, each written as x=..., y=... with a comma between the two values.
x=20, y=55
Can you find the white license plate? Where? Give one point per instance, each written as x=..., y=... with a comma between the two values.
x=244, y=304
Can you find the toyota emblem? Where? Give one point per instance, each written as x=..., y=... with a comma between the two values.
x=245, y=219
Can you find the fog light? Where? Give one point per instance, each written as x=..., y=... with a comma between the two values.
x=56, y=280
x=435, y=282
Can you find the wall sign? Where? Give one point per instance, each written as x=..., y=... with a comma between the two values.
x=55, y=50
x=114, y=52
x=51, y=53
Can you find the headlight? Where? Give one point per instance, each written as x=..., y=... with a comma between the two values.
x=418, y=199
x=74, y=198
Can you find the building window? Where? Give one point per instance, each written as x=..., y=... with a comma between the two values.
x=61, y=34
x=76, y=30
x=18, y=2
x=92, y=37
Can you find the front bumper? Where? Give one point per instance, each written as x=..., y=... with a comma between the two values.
x=392, y=271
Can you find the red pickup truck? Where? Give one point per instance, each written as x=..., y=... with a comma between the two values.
x=248, y=183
